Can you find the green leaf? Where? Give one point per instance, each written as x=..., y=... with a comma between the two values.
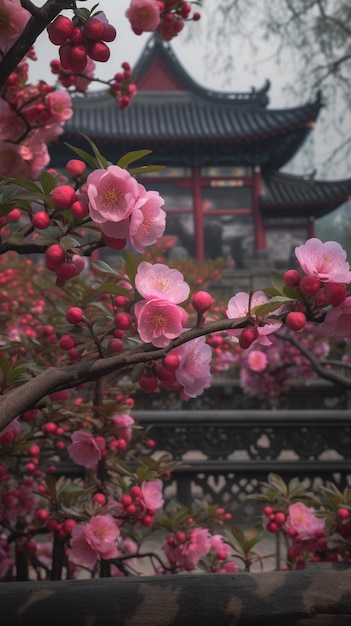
x=131, y=157
x=22, y=182
x=105, y=268
x=85, y=156
x=137, y=372
x=47, y=182
x=278, y=484
x=131, y=266
x=273, y=304
x=101, y=160
x=146, y=169
x=278, y=281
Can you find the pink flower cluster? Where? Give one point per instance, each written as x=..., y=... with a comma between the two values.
x=185, y=552
x=166, y=16
x=31, y=116
x=238, y=307
x=302, y=523
x=85, y=449
x=124, y=209
x=159, y=318
x=94, y=540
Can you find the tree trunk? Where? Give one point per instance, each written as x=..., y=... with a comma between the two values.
x=317, y=596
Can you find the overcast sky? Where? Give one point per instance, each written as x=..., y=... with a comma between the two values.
x=249, y=72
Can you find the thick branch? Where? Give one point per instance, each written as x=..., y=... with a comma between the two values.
x=37, y=23
x=54, y=379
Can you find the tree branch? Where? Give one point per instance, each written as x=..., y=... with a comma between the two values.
x=54, y=379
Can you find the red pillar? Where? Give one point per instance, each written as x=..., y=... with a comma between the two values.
x=259, y=233
x=198, y=216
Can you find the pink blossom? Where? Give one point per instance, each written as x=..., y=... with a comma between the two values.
x=6, y=560
x=85, y=449
x=94, y=540
x=159, y=281
x=221, y=549
x=238, y=307
x=337, y=323
x=148, y=220
x=144, y=15
x=325, y=261
x=60, y=105
x=122, y=423
x=303, y=521
x=187, y=555
x=193, y=372
x=112, y=194
x=158, y=321
x=13, y=18
x=152, y=493
x=257, y=361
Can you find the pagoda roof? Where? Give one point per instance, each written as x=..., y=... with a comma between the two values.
x=287, y=195
x=187, y=124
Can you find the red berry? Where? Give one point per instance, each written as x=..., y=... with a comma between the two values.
x=123, y=320
x=42, y=515
x=247, y=337
x=291, y=278
x=75, y=168
x=54, y=256
x=74, y=315
x=68, y=525
x=67, y=342
x=59, y=30
x=202, y=301
x=64, y=272
x=295, y=320
x=343, y=513
x=170, y=362
x=280, y=517
x=93, y=28
x=115, y=244
x=14, y=215
x=41, y=220
x=334, y=293
x=148, y=382
x=34, y=450
x=268, y=510
x=115, y=345
x=272, y=527
x=63, y=197
x=310, y=285
x=109, y=33
x=98, y=51
x=49, y=428
x=99, y=498
x=77, y=58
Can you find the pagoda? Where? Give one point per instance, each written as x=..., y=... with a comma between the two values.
x=223, y=152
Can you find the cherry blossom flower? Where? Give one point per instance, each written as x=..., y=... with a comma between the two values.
x=221, y=549
x=112, y=194
x=85, y=449
x=238, y=307
x=94, y=540
x=303, y=521
x=151, y=491
x=60, y=106
x=187, y=555
x=325, y=261
x=159, y=281
x=144, y=15
x=193, y=371
x=147, y=221
x=257, y=360
x=158, y=321
x=122, y=423
x=13, y=18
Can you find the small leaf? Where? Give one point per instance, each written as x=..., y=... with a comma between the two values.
x=131, y=266
x=105, y=268
x=130, y=157
x=85, y=156
x=102, y=161
x=137, y=372
x=278, y=281
x=273, y=305
x=146, y=169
